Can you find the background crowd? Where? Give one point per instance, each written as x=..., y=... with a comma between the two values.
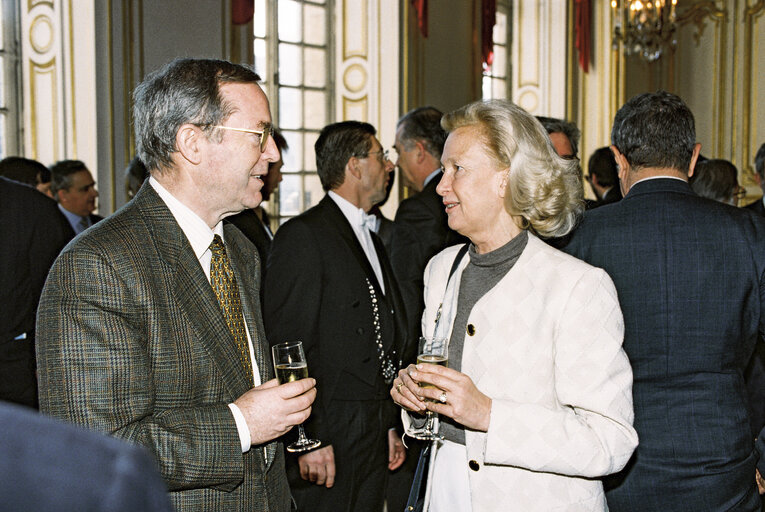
x=603, y=354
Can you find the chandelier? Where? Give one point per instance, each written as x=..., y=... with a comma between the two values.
x=645, y=28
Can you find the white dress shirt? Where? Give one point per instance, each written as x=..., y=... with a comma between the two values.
x=200, y=237
x=361, y=224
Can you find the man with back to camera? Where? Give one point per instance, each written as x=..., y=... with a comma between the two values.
x=603, y=176
x=690, y=274
x=73, y=187
x=149, y=327
x=330, y=285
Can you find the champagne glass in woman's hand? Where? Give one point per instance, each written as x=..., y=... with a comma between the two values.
x=291, y=365
x=431, y=351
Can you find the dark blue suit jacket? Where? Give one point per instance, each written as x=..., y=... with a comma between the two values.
x=46, y=465
x=689, y=274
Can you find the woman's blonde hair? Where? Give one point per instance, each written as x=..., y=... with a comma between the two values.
x=545, y=192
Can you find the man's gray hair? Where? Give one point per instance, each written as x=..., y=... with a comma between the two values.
x=183, y=91
x=567, y=128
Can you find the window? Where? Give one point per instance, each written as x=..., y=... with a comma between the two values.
x=293, y=56
x=494, y=83
x=9, y=80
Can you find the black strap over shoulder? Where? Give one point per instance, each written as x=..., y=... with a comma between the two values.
x=460, y=254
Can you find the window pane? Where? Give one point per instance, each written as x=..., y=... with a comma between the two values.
x=290, y=21
x=315, y=28
x=315, y=67
x=290, y=108
x=309, y=161
x=500, y=28
x=289, y=195
x=293, y=157
x=499, y=88
x=499, y=66
x=290, y=69
x=313, y=191
x=315, y=109
x=260, y=18
x=261, y=61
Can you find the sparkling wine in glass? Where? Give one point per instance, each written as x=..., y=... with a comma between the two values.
x=432, y=350
x=291, y=365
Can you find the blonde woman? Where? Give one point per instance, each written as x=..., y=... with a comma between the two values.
x=536, y=403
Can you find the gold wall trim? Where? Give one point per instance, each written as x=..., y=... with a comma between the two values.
x=363, y=50
x=35, y=69
x=41, y=46
x=749, y=100
x=361, y=104
x=70, y=23
x=697, y=13
x=34, y=3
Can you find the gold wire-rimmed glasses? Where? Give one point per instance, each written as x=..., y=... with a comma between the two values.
x=263, y=134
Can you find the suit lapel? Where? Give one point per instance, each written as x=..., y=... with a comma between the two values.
x=193, y=292
x=337, y=221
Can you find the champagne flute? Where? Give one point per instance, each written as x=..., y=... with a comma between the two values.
x=432, y=350
x=291, y=365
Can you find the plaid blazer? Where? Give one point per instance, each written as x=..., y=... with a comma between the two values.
x=131, y=341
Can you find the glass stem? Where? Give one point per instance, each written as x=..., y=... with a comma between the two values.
x=301, y=434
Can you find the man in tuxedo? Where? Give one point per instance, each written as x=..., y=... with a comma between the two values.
x=690, y=274
x=330, y=285
x=149, y=327
x=758, y=206
x=254, y=222
x=604, y=176
x=50, y=466
x=420, y=229
x=33, y=231
x=73, y=187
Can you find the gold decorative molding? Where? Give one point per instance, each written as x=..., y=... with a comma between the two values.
x=355, y=78
x=70, y=23
x=355, y=13
x=356, y=109
x=749, y=83
x=41, y=33
x=35, y=3
x=697, y=13
x=35, y=71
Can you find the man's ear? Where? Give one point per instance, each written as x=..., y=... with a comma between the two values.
x=694, y=159
x=421, y=152
x=623, y=167
x=353, y=167
x=190, y=141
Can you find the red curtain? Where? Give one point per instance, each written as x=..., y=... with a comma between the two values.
x=421, y=8
x=242, y=11
x=583, y=33
x=488, y=19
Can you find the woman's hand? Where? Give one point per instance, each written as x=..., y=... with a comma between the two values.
x=463, y=401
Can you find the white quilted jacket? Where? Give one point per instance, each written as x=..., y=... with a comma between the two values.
x=547, y=348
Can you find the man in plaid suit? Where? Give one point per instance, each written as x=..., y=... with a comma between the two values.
x=134, y=340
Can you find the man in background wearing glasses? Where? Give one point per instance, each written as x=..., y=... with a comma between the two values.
x=150, y=326
x=330, y=285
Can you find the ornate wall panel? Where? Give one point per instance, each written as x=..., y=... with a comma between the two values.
x=367, y=68
x=539, y=56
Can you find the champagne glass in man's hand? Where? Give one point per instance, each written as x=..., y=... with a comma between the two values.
x=291, y=365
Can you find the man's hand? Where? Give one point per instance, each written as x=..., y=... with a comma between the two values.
x=760, y=481
x=318, y=466
x=396, y=450
x=271, y=409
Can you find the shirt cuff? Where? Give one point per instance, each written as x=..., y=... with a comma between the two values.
x=241, y=427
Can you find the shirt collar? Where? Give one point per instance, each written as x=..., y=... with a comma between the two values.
x=354, y=214
x=431, y=176
x=199, y=234
x=660, y=178
x=73, y=218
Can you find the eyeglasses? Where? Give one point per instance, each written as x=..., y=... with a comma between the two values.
x=739, y=192
x=263, y=134
x=383, y=154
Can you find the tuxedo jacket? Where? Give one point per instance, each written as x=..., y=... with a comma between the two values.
x=318, y=291
x=131, y=341
x=690, y=274
x=250, y=224
x=49, y=466
x=420, y=231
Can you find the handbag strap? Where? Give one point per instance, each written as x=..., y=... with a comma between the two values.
x=457, y=260
x=415, y=501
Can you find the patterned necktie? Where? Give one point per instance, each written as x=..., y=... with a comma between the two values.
x=82, y=225
x=224, y=285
